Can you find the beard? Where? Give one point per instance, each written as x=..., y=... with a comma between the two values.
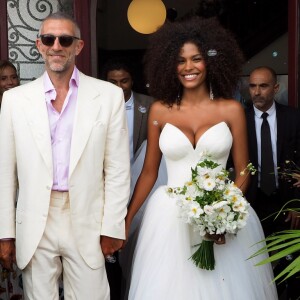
x=258, y=99
x=59, y=66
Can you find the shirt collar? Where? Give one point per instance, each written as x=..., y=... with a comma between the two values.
x=49, y=88
x=270, y=111
x=129, y=103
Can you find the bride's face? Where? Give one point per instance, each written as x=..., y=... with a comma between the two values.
x=191, y=69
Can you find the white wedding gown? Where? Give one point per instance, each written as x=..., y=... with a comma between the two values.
x=162, y=269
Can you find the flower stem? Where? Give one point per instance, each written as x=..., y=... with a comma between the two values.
x=204, y=257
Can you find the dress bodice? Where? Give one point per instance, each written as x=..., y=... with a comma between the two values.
x=180, y=154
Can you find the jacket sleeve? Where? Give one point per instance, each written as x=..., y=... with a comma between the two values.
x=116, y=171
x=8, y=169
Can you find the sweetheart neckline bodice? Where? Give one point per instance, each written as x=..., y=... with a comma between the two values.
x=199, y=139
x=181, y=156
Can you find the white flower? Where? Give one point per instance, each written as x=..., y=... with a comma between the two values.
x=223, y=211
x=240, y=205
x=241, y=222
x=209, y=184
x=220, y=204
x=191, y=189
x=195, y=210
x=208, y=209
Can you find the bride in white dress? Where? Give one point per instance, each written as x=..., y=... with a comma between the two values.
x=193, y=67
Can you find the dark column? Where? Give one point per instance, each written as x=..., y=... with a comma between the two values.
x=82, y=16
x=3, y=30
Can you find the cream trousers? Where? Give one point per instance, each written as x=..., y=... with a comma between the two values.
x=57, y=255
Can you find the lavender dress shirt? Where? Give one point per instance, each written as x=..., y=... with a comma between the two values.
x=61, y=128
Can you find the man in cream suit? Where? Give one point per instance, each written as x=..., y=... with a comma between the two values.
x=64, y=145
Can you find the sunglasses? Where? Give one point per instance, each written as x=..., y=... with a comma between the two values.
x=64, y=40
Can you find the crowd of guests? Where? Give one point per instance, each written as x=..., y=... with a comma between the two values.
x=69, y=148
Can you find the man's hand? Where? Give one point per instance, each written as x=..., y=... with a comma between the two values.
x=110, y=245
x=294, y=218
x=7, y=254
x=217, y=238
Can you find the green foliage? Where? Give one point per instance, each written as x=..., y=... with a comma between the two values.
x=282, y=244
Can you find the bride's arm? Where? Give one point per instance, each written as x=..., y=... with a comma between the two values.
x=240, y=156
x=150, y=168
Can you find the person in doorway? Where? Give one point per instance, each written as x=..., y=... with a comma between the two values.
x=119, y=72
x=8, y=77
x=273, y=139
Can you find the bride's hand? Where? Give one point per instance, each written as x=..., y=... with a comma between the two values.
x=217, y=238
x=127, y=228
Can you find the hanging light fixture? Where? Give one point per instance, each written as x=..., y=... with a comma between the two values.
x=146, y=16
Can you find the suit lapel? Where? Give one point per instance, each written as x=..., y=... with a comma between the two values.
x=137, y=121
x=35, y=109
x=252, y=136
x=87, y=111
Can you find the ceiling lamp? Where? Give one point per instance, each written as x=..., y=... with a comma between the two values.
x=146, y=16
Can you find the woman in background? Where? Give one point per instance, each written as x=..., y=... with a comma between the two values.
x=8, y=77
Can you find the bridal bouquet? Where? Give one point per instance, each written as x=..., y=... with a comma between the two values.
x=212, y=204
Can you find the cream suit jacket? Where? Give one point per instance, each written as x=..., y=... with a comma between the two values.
x=99, y=173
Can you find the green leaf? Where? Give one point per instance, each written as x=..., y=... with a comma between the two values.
x=280, y=254
x=290, y=270
x=283, y=245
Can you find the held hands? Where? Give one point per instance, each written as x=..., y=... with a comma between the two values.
x=110, y=245
x=7, y=254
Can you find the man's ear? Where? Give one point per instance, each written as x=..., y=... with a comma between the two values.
x=79, y=46
x=38, y=43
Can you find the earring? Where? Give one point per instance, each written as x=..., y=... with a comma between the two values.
x=178, y=98
x=211, y=94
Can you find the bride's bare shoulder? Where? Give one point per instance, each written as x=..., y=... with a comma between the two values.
x=159, y=108
x=159, y=113
x=231, y=105
x=159, y=105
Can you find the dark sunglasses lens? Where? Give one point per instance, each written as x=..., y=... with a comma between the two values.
x=65, y=41
x=48, y=40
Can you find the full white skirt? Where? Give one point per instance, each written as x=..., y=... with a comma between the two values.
x=162, y=269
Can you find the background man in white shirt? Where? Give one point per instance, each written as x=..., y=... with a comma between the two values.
x=284, y=124
x=118, y=71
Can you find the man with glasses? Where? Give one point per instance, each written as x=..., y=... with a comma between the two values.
x=65, y=147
